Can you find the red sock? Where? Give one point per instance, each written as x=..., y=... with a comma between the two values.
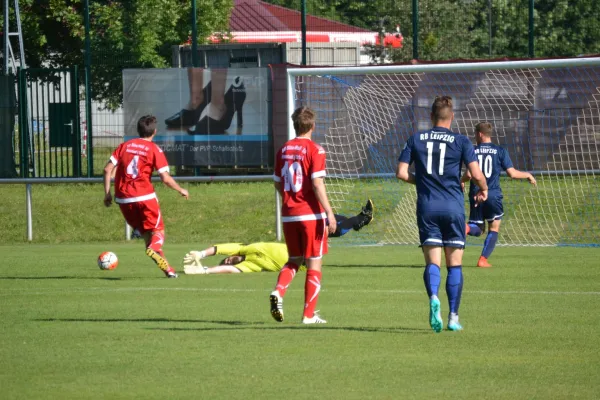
x=286, y=275
x=312, y=287
x=156, y=242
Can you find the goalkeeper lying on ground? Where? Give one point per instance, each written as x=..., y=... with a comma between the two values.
x=263, y=256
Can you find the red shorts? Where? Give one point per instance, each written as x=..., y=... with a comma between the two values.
x=144, y=216
x=306, y=239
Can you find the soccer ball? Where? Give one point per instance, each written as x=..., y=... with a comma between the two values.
x=108, y=260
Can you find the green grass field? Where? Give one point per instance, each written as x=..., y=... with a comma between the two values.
x=71, y=331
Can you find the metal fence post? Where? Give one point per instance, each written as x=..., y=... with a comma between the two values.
x=303, y=27
x=531, y=32
x=415, y=24
x=88, y=90
x=28, y=210
x=76, y=128
x=194, y=36
x=277, y=216
x=195, y=61
x=23, y=122
x=6, y=40
x=490, y=27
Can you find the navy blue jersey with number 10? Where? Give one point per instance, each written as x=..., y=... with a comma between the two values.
x=493, y=159
x=438, y=155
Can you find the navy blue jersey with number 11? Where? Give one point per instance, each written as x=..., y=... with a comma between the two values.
x=438, y=155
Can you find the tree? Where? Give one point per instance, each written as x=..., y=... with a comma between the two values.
x=451, y=29
x=561, y=28
x=124, y=34
x=567, y=28
x=443, y=24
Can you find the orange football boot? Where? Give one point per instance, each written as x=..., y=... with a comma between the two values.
x=483, y=262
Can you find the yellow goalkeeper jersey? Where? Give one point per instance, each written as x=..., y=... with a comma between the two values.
x=268, y=256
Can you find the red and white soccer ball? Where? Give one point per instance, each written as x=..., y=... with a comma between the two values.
x=108, y=260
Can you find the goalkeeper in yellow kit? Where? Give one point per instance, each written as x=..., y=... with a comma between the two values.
x=262, y=256
x=254, y=257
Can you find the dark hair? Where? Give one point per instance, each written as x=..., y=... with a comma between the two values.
x=442, y=108
x=485, y=128
x=303, y=119
x=146, y=126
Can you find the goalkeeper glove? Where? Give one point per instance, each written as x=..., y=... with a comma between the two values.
x=193, y=258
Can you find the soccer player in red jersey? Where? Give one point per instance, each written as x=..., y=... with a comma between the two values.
x=306, y=214
x=135, y=160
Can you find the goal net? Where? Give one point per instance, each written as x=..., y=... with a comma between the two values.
x=546, y=113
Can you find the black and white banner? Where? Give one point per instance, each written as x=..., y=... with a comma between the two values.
x=206, y=117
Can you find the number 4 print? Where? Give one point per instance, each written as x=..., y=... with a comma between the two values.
x=132, y=168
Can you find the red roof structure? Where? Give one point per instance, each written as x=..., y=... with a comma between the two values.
x=255, y=21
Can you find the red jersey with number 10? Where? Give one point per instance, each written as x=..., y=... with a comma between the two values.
x=136, y=159
x=297, y=163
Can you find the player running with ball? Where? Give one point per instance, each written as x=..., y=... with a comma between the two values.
x=493, y=159
x=438, y=155
x=135, y=160
x=306, y=214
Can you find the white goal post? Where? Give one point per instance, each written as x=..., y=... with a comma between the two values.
x=546, y=113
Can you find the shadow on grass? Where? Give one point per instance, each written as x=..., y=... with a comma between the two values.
x=204, y=321
x=402, y=330
x=60, y=277
x=374, y=266
x=239, y=325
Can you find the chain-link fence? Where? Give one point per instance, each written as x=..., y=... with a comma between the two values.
x=462, y=29
x=252, y=33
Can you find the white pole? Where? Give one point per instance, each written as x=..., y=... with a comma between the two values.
x=127, y=231
x=291, y=104
x=28, y=205
x=277, y=216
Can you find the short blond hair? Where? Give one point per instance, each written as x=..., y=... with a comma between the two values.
x=441, y=109
x=485, y=128
x=303, y=119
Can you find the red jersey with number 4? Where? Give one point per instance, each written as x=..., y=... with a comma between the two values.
x=297, y=163
x=135, y=160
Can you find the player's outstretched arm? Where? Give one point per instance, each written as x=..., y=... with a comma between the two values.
x=321, y=193
x=516, y=174
x=168, y=180
x=108, y=170
x=404, y=174
x=195, y=256
x=223, y=249
x=479, y=179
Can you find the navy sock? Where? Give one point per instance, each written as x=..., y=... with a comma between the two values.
x=432, y=279
x=454, y=285
x=489, y=244
x=475, y=230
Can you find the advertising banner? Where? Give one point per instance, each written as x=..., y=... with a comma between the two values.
x=206, y=117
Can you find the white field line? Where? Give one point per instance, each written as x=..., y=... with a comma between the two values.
x=45, y=291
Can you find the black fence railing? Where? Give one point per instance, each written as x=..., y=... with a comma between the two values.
x=104, y=38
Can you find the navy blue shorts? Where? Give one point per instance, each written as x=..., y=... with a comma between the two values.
x=442, y=229
x=489, y=210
